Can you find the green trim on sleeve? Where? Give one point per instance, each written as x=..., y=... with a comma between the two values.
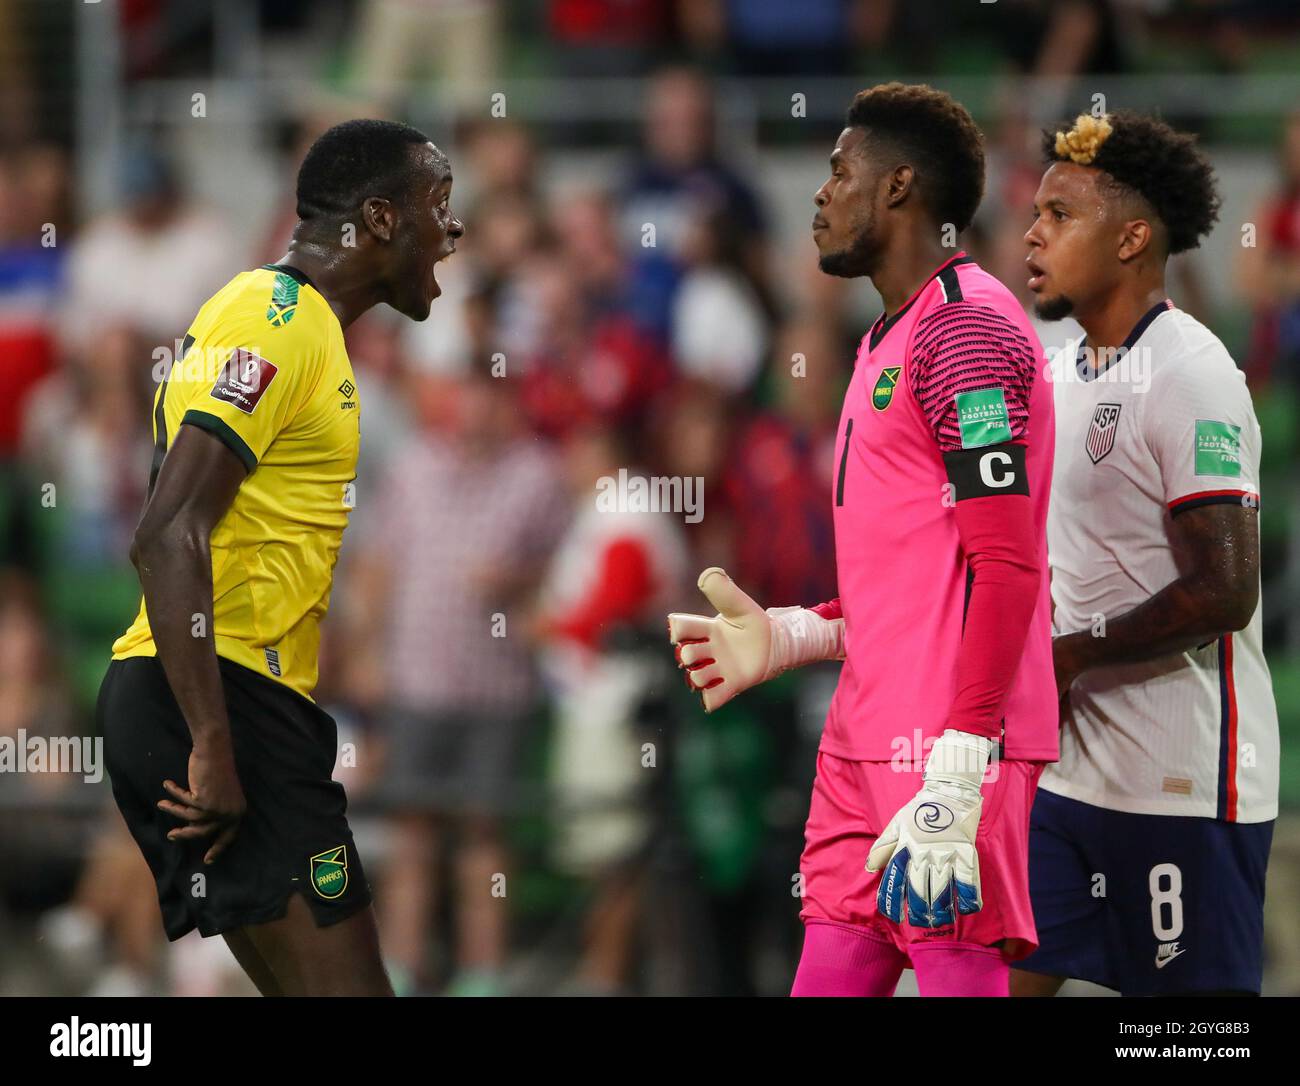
x=221, y=429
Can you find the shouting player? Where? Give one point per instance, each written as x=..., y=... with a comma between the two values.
x=220, y=761
x=1149, y=840
x=940, y=503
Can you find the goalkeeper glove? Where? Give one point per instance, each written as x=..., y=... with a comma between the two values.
x=928, y=848
x=743, y=645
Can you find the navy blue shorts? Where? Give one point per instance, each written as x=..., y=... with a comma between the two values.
x=1146, y=904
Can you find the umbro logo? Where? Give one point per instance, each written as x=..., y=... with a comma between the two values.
x=347, y=388
x=1167, y=952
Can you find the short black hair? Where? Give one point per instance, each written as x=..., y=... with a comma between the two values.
x=355, y=160
x=1144, y=155
x=938, y=138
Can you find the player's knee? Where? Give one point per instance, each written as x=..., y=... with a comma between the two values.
x=341, y=959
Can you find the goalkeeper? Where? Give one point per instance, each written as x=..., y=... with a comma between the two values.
x=916, y=841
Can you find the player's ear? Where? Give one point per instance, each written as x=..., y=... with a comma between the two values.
x=1135, y=239
x=379, y=217
x=899, y=181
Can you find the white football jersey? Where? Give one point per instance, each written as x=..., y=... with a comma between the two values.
x=1167, y=426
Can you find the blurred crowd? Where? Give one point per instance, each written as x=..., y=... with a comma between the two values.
x=541, y=804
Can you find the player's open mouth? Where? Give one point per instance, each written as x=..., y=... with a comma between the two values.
x=435, y=288
x=1036, y=275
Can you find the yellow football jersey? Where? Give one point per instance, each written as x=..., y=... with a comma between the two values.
x=264, y=369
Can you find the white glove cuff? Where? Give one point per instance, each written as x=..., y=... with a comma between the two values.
x=959, y=758
x=801, y=636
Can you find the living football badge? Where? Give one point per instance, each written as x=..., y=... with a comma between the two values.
x=1101, y=434
x=329, y=871
x=883, y=393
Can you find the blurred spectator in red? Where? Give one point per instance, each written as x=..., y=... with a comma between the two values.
x=35, y=233
x=469, y=516
x=1269, y=271
x=85, y=433
x=780, y=472
x=689, y=433
x=607, y=37
x=152, y=264
x=612, y=580
x=584, y=366
x=677, y=177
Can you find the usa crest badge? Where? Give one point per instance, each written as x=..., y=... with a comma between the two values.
x=1101, y=434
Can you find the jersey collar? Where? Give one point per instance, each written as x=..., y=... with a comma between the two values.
x=296, y=274
x=882, y=326
x=1089, y=373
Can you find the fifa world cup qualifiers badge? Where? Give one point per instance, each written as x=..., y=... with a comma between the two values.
x=329, y=871
x=243, y=379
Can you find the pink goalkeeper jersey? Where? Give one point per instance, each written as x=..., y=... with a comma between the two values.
x=957, y=368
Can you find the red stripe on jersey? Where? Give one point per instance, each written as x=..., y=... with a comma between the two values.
x=1200, y=495
x=1232, y=729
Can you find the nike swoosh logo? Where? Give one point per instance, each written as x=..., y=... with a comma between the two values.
x=1162, y=962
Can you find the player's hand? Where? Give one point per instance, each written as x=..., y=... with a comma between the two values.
x=927, y=850
x=214, y=802
x=743, y=645
x=726, y=654
x=1066, y=662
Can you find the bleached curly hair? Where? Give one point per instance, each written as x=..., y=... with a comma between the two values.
x=1143, y=154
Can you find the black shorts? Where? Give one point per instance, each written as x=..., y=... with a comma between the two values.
x=294, y=836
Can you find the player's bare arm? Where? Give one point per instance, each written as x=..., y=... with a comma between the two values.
x=1216, y=548
x=195, y=486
